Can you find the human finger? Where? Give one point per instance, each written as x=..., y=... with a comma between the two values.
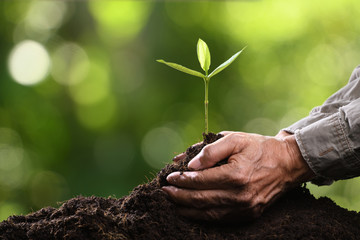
x=179, y=157
x=221, y=177
x=202, y=198
x=217, y=151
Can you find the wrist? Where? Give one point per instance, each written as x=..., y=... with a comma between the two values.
x=282, y=134
x=297, y=166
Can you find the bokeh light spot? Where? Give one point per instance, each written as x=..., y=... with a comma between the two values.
x=94, y=88
x=160, y=145
x=29, y=62
x=45, y=15
x=70, y=64
x=99, y=115
x=119, y=20
x=264, y=21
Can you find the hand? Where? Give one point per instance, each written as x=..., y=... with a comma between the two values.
x=258, y=171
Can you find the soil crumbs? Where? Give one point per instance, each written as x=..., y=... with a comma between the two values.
x=147, y=213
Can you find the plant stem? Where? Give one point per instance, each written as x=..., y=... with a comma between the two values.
x=206, y=102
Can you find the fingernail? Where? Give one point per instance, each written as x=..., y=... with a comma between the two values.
x=178, y=157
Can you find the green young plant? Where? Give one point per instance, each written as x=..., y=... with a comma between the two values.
x=204, y=58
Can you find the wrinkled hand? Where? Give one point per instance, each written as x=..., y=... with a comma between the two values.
x=258, y=171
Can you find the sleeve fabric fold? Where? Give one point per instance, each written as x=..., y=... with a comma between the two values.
x=329, y=138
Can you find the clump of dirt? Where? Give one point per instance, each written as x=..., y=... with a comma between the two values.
x=147, y=213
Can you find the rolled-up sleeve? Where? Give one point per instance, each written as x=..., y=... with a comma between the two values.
x=329, y=138
x=330, y=146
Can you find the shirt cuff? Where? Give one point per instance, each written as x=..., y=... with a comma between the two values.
x=325, y=147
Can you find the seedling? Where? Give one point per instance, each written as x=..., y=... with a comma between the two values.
x=204, y=58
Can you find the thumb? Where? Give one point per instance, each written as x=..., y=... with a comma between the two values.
x=217, y=151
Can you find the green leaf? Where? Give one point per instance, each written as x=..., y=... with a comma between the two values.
x=182, y=68
x=203, y=55
x=225, y=64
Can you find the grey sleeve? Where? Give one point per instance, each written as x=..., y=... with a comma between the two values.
x=331, y=146
x=329, y=138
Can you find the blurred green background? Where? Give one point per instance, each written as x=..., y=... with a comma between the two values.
x=86, y=109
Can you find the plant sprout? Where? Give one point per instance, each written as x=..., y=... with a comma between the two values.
x=204, y=58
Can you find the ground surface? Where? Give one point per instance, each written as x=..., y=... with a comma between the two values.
x=148, y=214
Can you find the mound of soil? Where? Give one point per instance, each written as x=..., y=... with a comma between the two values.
x=147, y=213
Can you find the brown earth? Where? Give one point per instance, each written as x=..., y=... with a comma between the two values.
x=147, y=213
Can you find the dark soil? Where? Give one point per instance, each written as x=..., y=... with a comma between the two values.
x=148, y=214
